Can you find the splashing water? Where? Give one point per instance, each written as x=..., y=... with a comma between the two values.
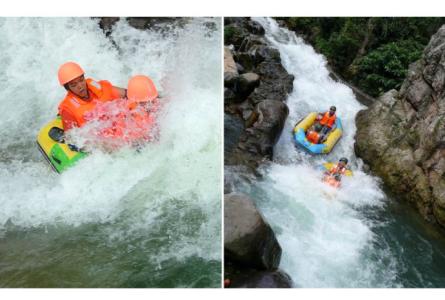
x=122, y=219
x=350, y=237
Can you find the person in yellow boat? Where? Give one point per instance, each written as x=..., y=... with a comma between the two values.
x=334, y=174
x=327, y=120
x=339, y=168
x=313, y=134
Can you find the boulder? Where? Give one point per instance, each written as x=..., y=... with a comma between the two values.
x=230, y=96
x=263, y=79
x=255, y=27
x=230, y=68
x=233, y=127
x=237, y=29
x=248, y=238
x=261, y=279
x=275, y=83
x=106, y=23
x=264, y=279
x=245, y=60
x=401, y=136
x=143, y=23
x=263, y=129
x=240, y=68
x=256, y=53
x=248, y=82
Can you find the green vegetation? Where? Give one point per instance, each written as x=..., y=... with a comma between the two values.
x=372, y=53
x=385, y=67
x=231, y=34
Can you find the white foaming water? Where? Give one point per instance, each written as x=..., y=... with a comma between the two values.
x=326, y=240
x=180, y=172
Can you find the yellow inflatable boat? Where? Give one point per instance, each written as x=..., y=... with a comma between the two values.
x=301, y=128
x=59, y=154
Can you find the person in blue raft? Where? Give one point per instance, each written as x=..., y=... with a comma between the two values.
x=318, y=132
x=327, y=120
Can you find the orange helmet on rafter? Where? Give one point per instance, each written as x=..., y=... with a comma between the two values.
x=69, y=71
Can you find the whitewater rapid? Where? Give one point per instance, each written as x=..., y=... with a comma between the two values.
x=327, y=240
x=167, y=193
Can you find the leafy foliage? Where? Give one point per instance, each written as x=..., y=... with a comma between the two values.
x=373, y=53
x=385, y=67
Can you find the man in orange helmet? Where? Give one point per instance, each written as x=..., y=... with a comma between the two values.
x=142, y=92
x=327, y=120
x=143, y=102
x=82, y=95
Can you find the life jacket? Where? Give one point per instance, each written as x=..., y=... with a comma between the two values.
x=78, y=108
x=338, y=170
x=313, y=137
x=144, y=124
x=331, y=181
x=135, y=125
x=144, y=119
x=328, y=120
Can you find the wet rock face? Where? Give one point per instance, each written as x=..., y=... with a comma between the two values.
x=233, y=127
x=251, y=278
x=230, y=69
x=248, y=239
x=402, y=135
x=264, y=127
x=142, y=23
x=265, y=279
x=256, y=87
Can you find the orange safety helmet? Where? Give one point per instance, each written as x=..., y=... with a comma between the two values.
x=141, y=89
x=69, y=71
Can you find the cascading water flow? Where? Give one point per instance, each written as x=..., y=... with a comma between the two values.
x=121, y=219
x=349, y=237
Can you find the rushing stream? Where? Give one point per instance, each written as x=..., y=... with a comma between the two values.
x=148, y=218
x=356, y=236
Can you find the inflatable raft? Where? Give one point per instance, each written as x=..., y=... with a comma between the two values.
x=301, y=128
x=53, y=147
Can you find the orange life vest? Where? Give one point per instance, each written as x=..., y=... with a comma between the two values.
x=328, y=120
x=135, y=125
x=331, y=181
x=337, y=170
x=144, y=123
x=313, y=137
x=72, y=109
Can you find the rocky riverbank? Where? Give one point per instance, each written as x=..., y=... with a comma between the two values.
x=256, y=86
x=251, y=251
x=402, y=135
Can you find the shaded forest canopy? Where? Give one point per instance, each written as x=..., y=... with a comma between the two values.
x=372, y=53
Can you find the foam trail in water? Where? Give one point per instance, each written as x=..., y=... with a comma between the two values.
x=326, y=240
